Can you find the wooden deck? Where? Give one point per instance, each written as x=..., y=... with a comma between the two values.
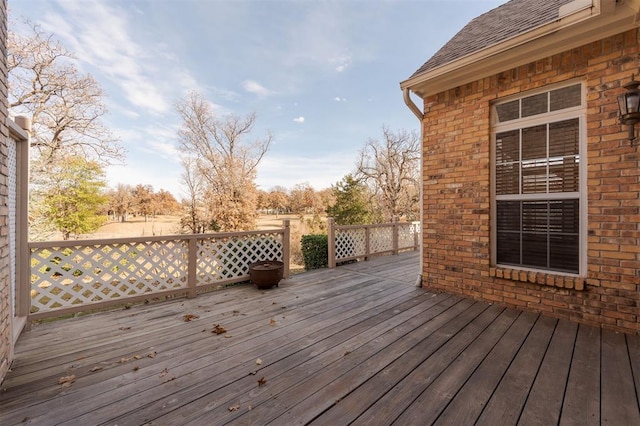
x=359, y=344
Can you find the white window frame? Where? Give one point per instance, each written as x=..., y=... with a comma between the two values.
x=578, y=112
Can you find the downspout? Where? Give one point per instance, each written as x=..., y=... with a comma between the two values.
x=416, y=111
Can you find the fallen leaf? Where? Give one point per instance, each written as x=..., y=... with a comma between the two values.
x=234, y=407
x=123, y=360
x=274, y=303
x=262, y=381
x=164, y=372
x=66, y=381
x=227, y=336
x=96, y=368
x=258, y=361
x=218, y=329
x=136, y=368
x=272, y=322
x=152, y=355
x=236, y=313
x=137, y=357
x=189, y=317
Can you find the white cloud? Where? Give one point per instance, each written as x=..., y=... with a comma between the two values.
x=254, y=87
x=341, y=62
x=339, y=99
x=320, y=171
x=102, y=37
x=299, y=119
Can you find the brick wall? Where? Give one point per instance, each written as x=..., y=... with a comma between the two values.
x=456, y=183
x=5, y=311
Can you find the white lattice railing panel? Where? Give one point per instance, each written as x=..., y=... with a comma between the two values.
x=380, y=239
x=63, y=277
x=227, y=258
x=407, y=233
x=350, y=243
x=360, y=241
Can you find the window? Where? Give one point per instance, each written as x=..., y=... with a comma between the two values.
x=538, y=180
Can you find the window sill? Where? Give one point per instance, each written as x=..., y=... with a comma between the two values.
x=541, y=278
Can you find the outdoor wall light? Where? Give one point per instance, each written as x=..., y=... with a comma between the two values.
x=629, y=104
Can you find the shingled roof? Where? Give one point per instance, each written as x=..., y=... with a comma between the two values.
x=506, y=21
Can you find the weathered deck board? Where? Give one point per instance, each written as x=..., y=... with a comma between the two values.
x=359, y=344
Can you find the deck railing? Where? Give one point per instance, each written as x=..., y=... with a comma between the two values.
x=72, y=276
x=353, y=242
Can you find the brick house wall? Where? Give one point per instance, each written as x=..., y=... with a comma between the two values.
x=5, y=300
x=456, y=184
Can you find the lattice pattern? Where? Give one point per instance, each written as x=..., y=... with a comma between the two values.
x=381, y=239
x=350, y=243
x=65, y=277
x=12, y=184
x=407, y=235
x=221, y=259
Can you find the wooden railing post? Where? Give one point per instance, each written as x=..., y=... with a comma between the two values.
x=192, y=266
x=331, y=242
x=367, y=242
x=286, y=247
x=395, y=230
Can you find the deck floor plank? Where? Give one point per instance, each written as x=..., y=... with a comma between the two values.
x=544, y=404
x=358, y=344
x=467, y=405
x=619, y=401
x=435, y=398
x=581, y=404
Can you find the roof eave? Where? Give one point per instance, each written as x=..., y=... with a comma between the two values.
x=573, y=30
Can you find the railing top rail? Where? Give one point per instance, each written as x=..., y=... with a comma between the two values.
x=103, y=241
x=374, y=225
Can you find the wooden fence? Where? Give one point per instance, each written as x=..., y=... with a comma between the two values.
x=353, y=242
x=72, y=276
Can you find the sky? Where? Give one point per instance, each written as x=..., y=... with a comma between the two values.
x=321, y=76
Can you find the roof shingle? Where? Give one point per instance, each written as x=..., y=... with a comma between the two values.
x=506, y=21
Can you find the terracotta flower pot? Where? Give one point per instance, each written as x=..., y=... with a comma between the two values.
x=266, y=273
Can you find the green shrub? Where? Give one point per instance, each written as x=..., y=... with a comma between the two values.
x=315, y=251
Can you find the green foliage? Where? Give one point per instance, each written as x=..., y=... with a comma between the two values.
x=315, y=251
x=72, y=195
x=352, y=205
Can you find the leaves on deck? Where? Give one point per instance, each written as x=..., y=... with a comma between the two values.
x=164, y=372
x=262, y=381
x=272, y=322
x=137, y=357
x=67, y=381
x=189, y=317
x=96, y=368
x=234, y=407
x=123, y=360
x=258, y=361
x=218, y=329
x=152, y=355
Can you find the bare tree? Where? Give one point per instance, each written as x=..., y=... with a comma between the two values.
x=391, y=167
x=226, y=159
x=121, y=201
x=65, y=106
x=193, y=221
